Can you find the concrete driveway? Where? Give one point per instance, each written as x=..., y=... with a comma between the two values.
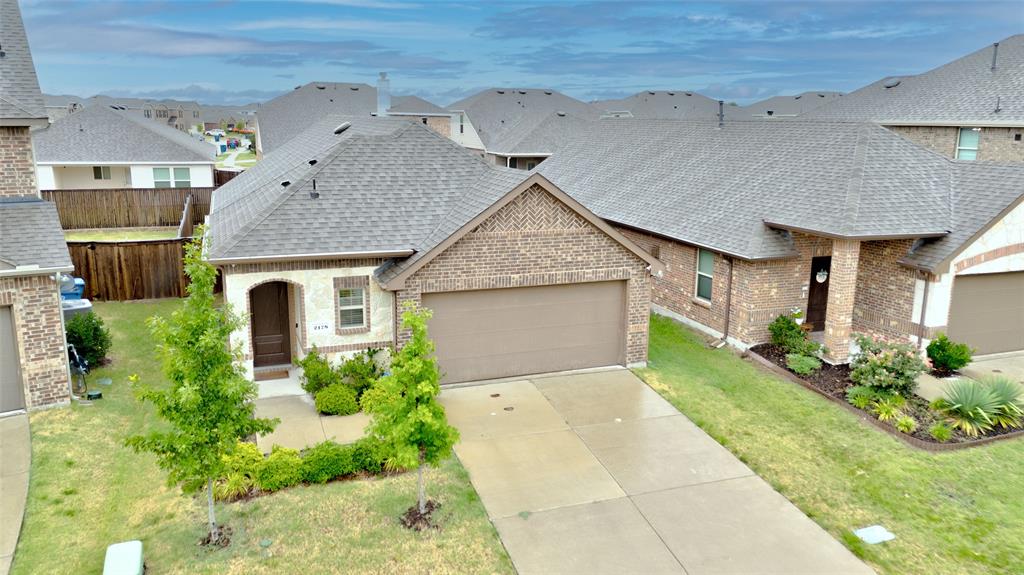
x=596, y=473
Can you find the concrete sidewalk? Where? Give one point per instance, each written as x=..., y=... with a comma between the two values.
x=15, y=457
x=301, y=426
x=597, y=473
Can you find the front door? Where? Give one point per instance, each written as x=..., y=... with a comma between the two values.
x=817, y=295
x=271, y=344
x=12, y=393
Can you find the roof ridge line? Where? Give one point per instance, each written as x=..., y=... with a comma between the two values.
x=851, y=204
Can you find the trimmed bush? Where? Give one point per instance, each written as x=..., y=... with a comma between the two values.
x=948, y=356
x=326, y=461
x=90, y=337
x=317, y=372
x=786, y=334
x=940, y=432
x=337, y=399
x=968, y=406
x=361, y=371
x=283, y=468
x=368, y=455
x=890, y=367
x=802, y=364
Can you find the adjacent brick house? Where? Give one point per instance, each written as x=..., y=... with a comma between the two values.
x=320, y=249
x=33, y=359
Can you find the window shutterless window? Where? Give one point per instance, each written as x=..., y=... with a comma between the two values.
x=182, y=178
x=351, y=307
x=172, y=178
x=705, y=273
x=101, y=172
x=161, y=177
x=967, y=143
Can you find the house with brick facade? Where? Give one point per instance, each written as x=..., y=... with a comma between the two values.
x=33, y=359
x=326, y=240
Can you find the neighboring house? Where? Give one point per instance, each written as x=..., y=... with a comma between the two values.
x=216, y=117
x=662, y=105
x=33, y=359
x=971, y=108
x=491, y=121
x=324, y=242
x=100, y=147
x=862, y=229
x=58, y=107
x=182, y=116
x=286, y=116
x=784, y=106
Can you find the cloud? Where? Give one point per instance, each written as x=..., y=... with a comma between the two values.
x=381, y=27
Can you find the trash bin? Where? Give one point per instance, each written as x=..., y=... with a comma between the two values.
x=124, y=559
x=71, y=287
x=73, y=307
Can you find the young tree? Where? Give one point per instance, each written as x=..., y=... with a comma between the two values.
x=409, y=420
x=209, y=403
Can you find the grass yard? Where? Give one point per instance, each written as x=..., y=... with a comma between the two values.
x=88, y=491
x=955, y=512
x=120, y=234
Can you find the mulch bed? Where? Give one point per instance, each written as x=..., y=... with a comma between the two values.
x=832, y=381
x=413, y=519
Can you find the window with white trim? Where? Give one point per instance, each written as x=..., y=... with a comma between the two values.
x=967, y=143
x=705, y=273
x=351, y=307
x=101, y=172
x=172, y=178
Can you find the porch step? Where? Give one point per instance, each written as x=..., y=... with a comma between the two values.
x=271, y=372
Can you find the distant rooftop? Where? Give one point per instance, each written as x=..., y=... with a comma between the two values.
x=21, y=102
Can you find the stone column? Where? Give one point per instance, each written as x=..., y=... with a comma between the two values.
x=842, y=289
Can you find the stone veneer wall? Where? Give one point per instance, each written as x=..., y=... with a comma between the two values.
x=995, y=144
x=39, y=332
x=17, y=166
x=537, y=240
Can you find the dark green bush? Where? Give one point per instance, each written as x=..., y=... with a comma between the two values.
x=369, y=455
x=337, y=399
x=326, y=461
x=889, y=367
x=786, y=334
x=802, y=364
x=361, y=371
x=283, y=468
x=90, y=337
x=861, y=396
x=317, y=372
x=948, y=356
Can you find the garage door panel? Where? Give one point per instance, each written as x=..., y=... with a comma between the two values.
x=486, y=334
x=987, y=311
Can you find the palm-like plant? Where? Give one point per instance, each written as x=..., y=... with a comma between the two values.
x=1009, y=397
x=968, y=406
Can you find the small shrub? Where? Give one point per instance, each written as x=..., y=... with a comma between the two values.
x=948, y=356
x=90, y=337
x=968, y=406
x=337, y=399
x=317, y=372
x=283, y=468
x=861, y=396
x=906, y=424
x=891, y=367
x=940, y=432
x=240, y=479
x=325, y=461
x=1009, y=404
x=368, y=454
x=361, y=371
x=802, y=364
x=374, y=397
x=889, y=407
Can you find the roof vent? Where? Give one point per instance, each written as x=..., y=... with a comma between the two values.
x=297, y=87
x=501, y=91
x=821, y=95
x=560, y=113
x=354, y=88
x=312, y=162
x=522, y=91
x=651, y=92
x=285, y=184
x=548, y=92
x=798, y=97
x=341, y=128
x=671, y=93
x=769, y=112
x=689, y=93
x=313, y=194
x=995, y=54
x=892, y=83
x=321, y=87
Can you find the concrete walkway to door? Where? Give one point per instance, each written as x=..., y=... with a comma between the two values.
x=596, y=473
x=15, y=457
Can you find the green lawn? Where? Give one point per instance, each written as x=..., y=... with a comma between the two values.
x=120, y=234
x=88, y=491
x=956, y=512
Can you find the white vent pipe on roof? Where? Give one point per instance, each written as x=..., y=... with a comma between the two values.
x=383, y=94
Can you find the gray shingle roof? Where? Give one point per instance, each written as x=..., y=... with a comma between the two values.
x=284, y=117
x=102, y=135
x=962, y=92
x=30, y=234
x=665, y=105
x=384, y=185
x=717, y=188
x=20, y=98
x=784, y=106
x=498, y=114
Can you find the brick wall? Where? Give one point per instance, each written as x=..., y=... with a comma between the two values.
x=440, y=124
x=995, y=144
x=35, y=303
x=842, y=291
x=884, y=304
x=537, y=240
x=17, y=166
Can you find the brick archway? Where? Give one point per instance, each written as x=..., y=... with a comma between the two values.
x=299, y=316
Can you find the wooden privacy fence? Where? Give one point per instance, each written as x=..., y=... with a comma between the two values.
x=221, y=177
x=118, y=271
x=127, y=207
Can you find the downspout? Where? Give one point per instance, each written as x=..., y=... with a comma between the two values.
x=924, y=308
x=728, y=301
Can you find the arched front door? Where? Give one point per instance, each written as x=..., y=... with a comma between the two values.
x=271, y=344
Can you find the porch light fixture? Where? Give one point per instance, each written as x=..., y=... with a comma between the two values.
x=821, y=276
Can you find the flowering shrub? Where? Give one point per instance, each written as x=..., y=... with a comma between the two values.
x=884, y=366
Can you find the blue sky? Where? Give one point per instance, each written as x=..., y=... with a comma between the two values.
x=233, y=51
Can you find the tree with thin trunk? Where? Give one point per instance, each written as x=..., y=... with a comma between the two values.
x=209, y=402
x=409, y=420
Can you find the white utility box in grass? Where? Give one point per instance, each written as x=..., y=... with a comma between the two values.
x=124, y=558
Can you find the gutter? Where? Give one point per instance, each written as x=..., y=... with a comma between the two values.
x=924, y=308
x=35, y=271
x=728, y=301
x=304, y=257
x=126, y=163
x=862, y=238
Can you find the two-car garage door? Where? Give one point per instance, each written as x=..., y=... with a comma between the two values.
x=987, y=312
x=495, y=333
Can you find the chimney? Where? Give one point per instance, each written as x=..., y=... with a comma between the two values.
x=383, y=94
x=995, y=54
x=721, y=113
